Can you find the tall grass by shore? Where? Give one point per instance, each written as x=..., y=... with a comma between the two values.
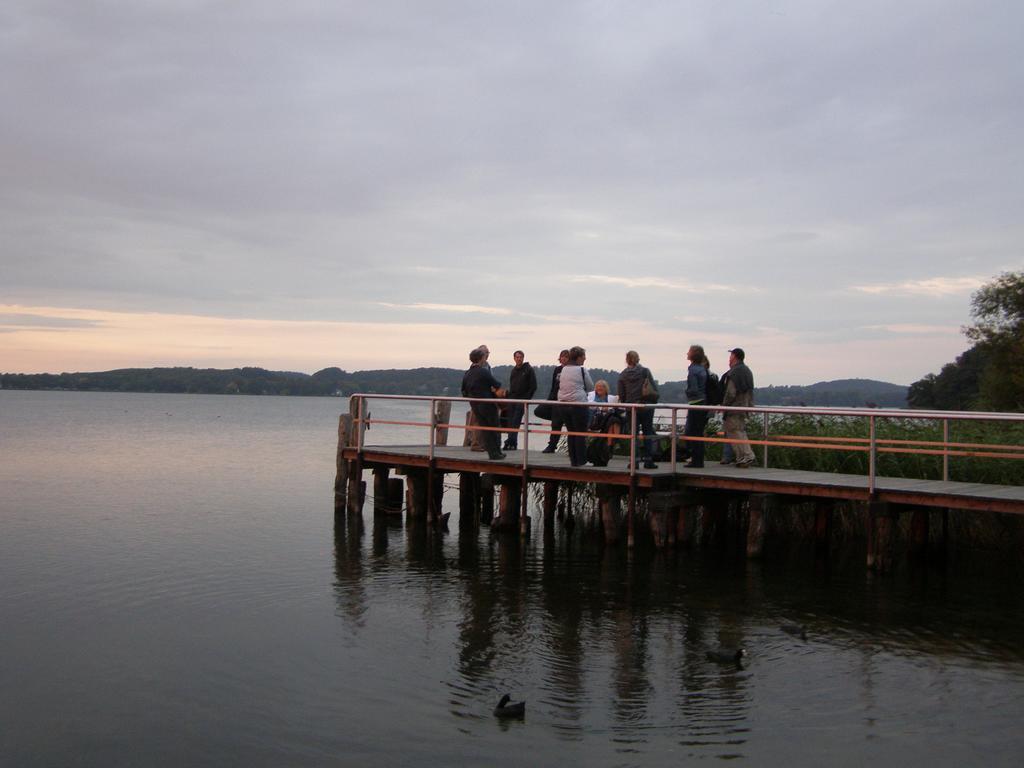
x=907, y=447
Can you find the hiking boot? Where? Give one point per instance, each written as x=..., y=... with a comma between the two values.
x=650, y=465
x=497, y=457
x=549, y=449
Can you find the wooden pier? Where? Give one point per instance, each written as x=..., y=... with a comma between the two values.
x=673, y=495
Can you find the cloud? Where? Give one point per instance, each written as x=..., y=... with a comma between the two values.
x=657, y=282
x=935, y=287
x=461, y=308
x=915, y=329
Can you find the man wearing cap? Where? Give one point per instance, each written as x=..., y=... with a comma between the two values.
x=738, y=391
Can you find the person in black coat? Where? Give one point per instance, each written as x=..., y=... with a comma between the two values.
x=478, y=381
x=522, y=385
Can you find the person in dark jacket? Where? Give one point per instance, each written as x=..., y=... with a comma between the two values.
x=522, y=385
x=478, y=381
x=556, y=419
x=738, y=392
x=631, y=386
x=696, y=394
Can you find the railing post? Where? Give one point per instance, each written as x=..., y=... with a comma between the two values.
x=872, y=454
x=764, y=436
x=433, y=426
x=526, y=436
x=945, y=450
x=675, y=437
x=360, y=415
x=632, y=443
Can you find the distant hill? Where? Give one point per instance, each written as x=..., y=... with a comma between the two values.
x=842, y=392
x=411, y=381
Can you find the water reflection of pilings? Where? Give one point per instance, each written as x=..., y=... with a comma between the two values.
x=349, y=586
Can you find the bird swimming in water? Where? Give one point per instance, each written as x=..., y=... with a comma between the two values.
x=508, y=708
x=795, y=629
x=727, y=655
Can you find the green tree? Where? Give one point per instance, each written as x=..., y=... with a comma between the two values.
x=998, y=330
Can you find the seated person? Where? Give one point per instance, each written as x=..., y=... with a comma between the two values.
x=604, y=419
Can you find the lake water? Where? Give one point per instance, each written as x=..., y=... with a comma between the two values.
x=174, y=591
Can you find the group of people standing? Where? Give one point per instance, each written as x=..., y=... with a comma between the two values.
x=571, y=383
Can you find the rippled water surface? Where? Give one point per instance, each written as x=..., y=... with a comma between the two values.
x=174, y=590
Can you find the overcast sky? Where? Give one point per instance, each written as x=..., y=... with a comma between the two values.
x=376, y=184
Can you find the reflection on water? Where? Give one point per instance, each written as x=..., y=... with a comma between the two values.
x=175, y=590
x=610, y=648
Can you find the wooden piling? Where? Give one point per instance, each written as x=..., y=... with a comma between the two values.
x=416, y=494
x=524, y=507
x=823, y=512
x=395, y=496
x=686, y=518
x=486, y=499
x=879, y=525
x=919, y=525
x=758, y=503
x=469, y=499
x=631, y=515
x=341, y=464
x=508, y=504
x=550, y=503
x=380, y=490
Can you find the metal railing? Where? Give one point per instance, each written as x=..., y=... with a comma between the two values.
x=871, y=444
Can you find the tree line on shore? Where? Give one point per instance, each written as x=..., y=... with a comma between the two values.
x=414, y=381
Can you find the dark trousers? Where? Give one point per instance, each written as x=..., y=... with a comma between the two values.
x=557, y=422
x=487, y=416
x=512, y=418
x=696, y=423
x=645, y=424
x=575, y=420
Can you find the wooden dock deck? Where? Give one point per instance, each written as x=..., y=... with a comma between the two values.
x=786, y=482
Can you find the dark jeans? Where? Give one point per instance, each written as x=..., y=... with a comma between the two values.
x=575, y=420
x=513, y=417
x=696, y=423
x=487, y=416
x=645, y=424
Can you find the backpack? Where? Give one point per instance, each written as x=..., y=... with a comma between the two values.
x=713, y=390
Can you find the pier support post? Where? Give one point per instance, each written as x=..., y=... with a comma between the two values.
x=659, y=507
x=550, y=503
x=919, y=525
x=524, y=507
x=356, y=489
x=486, y=499
x=416, y=494
x=469, y=500
x=631, y=513
x=380, y=490
x=685, y=520
x=609, y=498
x=755, y=526
x=823, y=511
x=878, y=523
x=395, y=496
x=435, y=487
x=341, y=465
x=508, y=504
